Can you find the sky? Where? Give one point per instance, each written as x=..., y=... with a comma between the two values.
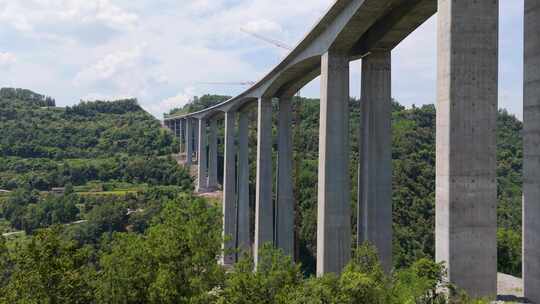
x=164, y=51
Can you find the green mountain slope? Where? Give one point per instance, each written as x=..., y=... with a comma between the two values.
x=101, y=152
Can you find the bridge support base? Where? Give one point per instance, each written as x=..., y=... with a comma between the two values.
x=229, y=191
x=202, y=168
x=466, y=185
x=244, y=223
x=264, y=207
x=531, y=159
x=375, y=168
x=334, y=214
x=285, y=198
x=212, y=184
x=189, y=142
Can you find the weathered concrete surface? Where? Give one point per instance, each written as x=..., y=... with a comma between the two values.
x=212, y=157
x=202, y=168
x=244, y=223
x=229, y=190
x=181, y=136
x=466, y=186
x=285, y=198
x=375, y=167
x=334, y=215
x=264, y=213
x=189, y=141
x=531, y=159
x=196, y=139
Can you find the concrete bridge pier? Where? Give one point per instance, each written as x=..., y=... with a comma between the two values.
x=334, y=214
x=189, y=142
x=180, y=135
x=285, y=198
x=229, y=190
x=202, y=168
x=375, y=167
x=196, y=139
x=466, y=186
x=531, y=157
x=264, y=213
x=212, y=183
x=244, y=223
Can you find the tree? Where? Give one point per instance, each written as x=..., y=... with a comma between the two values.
x=127, y=270
x=174, y=262
x=275, y=278
x=109, y=217
x=5, y=263
x=50, y=270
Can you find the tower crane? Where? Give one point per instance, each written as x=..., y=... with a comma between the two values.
x=241, y=83
x=268, y=40
x=260, y=37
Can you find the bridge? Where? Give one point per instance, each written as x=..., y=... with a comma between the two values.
x=466, y=184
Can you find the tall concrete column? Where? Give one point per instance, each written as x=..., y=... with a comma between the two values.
x=285, y=198
x=531, y=153
x=466, y=185
x=229, y=190
x=213, y=157
x=180, y=136
x=196, y=139
x=189, y=142
x=244, y=225
x=173, y=127
x=202, y=170
x=264, y=213
x=334, y=214
x=375, y=167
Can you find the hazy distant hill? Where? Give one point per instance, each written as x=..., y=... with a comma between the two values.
x=89, y=129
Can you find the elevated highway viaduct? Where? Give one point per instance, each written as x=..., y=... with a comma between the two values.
x=466, y=186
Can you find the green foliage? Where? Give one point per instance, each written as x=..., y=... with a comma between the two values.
x=413, y=154
x=43, y=174
x=88, y=130
x=26, y=96
x=109, y=217
x=509, y=251
x=49, y=270
x=126, y=270
x=5, y=263
x=175, y=261
x=199, y=103
x=275, y=278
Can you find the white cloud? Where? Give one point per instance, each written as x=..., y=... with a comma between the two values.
x=50, y=16
x=177, y=101
x=110, y=66
x=155, y=49
x=98, y=96
x=7, y=59
x=262, y=25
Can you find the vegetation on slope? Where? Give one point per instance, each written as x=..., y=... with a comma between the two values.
x=413, y=153
x=113, y=148
x=127, y=230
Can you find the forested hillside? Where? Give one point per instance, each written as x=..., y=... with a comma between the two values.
x=122, y=225
x=413, y=153
x=94, y=154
